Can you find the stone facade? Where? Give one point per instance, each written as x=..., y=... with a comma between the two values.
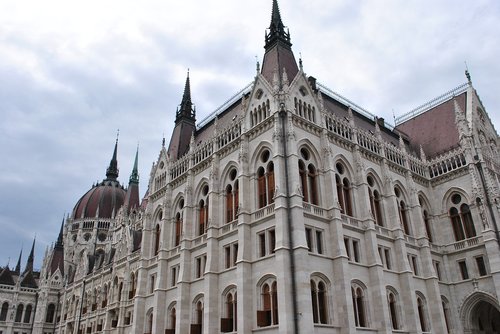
x=293, y=210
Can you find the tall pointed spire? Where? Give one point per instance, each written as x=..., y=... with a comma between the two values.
x=185, y=124
x=112, y=171
x=186, y=109
x=277, y=29
x=278, y=56
x=18, y=265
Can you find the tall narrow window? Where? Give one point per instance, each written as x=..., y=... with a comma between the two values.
x=203, y=211
x=422, y=314
x=268, y=315
x=27, y=314
x=3, y=312
x=270, y=182
x=463, y=269
x=481, y=266
x=178, y=229
x=229, y=323
x=343, y=190
x=358, y=303
x=229, y=204
x=375, y=201
x=319, y=303
x=308, y=178
x=49, y=316
x=19, y=313
x=261, y=185
x=403, y=211
x=157, y=238
x=393, y=311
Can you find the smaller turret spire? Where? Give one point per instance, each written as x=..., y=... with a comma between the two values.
x=134, y=177
x=29, y=263
x=59, y=242
x=112, y=171
x=277, y=29
x=18, y=265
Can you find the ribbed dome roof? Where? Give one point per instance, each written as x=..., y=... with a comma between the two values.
x=102, y=201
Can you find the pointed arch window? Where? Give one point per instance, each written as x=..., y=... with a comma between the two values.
x=319, y=302
x=230, y=322
x=403, y=211
x=178, y=229
x=157, y=239
x=343, y=189
x=375, y=201
x=308, y=178
x=232, y=196
x=197, y=324
x=265, y=181
x=268, y=315
x=27, y=314
x=49, y=316
x=19, y=313
x=461, y=218
x=172, y=321
x=203, y=211
x=393, y=310
x=422, y=314
x=359, y=305
x=3, y=312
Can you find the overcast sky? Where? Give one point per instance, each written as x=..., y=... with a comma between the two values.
x=73, y=72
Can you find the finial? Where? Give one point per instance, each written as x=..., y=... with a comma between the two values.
x=257, y=64
x=163, y=140
x=467, y=74
x=117, y=134
x=300, y=61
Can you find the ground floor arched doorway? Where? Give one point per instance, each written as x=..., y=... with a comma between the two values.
x=481, y=314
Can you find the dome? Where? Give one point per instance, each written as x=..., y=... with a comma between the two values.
x=102, y=201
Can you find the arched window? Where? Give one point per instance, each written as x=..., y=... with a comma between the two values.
x=173, y=318
x=197, y=324
x=3, y=312
x=461, y=218
x=343, y=189
x=375, y=201
x=393, y=310
x=359, y=305
x=268, y=315
x=177, y=228
x=232, y=196
x=203, y=211
x=319, y=302
x=120, y=289
x=422, y=314
x=265, y=181
x=49, y=316
x=229, y=322
x=27, y=314
x=403, y=211
x=150, y=323
x=104, y=302
x=308, y=178
x=19, y=313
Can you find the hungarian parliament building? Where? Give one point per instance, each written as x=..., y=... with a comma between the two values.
x=289, y=210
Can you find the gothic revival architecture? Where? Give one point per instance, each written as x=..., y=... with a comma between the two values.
x=289, y=210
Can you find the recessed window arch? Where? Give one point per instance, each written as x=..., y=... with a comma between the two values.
x=422, y=312
x=319, y=300
x=27, y=314
x=265, y=180
x=403, y=210
x=3, y=311
x=197, y=317
x=394, y=309
x=19, y=313
x=172, y=319
x=308, y=177
x=375, y=200
x=203, y=210
x=461, y=218
x=446, y=311
x=359, y=304
x=229, y=322
x=267, y=315
x=178, y=226
x=51, y=310
x=343, y=185
x=232, y=195
x=426, y=217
